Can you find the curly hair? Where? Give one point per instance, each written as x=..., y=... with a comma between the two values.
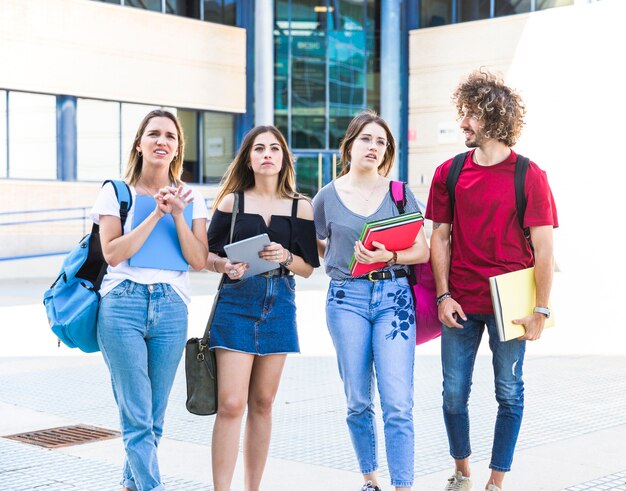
x=499, y=108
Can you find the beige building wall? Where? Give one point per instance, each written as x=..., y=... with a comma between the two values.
x=568, y=65
x=96, y=50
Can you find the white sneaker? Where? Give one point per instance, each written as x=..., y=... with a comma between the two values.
x=457, y=482
x=492, y=487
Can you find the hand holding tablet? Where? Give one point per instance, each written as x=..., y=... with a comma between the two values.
x=247, y=251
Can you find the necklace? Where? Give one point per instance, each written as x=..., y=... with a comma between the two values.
x=372, y=191
x=147, y=189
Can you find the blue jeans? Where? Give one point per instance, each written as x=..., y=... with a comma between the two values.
x=458, y=353
x=372, y=325
x=142, y=330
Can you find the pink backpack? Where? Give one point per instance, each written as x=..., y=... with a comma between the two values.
x=422, y=280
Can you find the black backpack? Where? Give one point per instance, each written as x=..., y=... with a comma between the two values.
x=521, y=167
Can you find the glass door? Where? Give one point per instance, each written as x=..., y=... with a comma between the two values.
x=314, y=170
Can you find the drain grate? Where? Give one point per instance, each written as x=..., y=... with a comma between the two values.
x=64, y=436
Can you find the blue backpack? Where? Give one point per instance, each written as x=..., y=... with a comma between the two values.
x=73, y=299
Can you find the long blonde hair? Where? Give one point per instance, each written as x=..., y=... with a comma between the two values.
x=135, y=159
x=354, y=129
x=240, y=176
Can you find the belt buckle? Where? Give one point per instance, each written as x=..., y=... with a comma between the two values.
x=371, y=277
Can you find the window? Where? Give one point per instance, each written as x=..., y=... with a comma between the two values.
x=186, y=8
x=435, y=13
x=221, y=11
x=548, y=4
x=473, y=10
x=510, y=7
x=218, y=145
x=189, y=122
x=154, y=5
x=3, y=133
x=32, y=137
x=98, y=140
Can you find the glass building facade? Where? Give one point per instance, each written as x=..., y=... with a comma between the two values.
x=326, y=69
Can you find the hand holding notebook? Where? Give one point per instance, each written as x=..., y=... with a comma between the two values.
x=395, y=233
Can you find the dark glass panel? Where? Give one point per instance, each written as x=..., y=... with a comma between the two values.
x=473, y=10
x=281, y=122
x=307, y=167
x=350, y=15
x=548, y=4
x=510, y=7
x=435, y=13
x=230, y=12
x=308, y=131
x=185, y=8
x=218, y=144
x=191, y=164
x=213, y=11
x=154, y=5
x=281, y=73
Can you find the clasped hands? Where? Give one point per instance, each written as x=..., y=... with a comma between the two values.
x=274, y=253
x=172, y=200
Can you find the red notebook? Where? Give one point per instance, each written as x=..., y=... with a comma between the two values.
x=396, y=233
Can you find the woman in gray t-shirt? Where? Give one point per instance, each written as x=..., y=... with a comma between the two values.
x=371, y=319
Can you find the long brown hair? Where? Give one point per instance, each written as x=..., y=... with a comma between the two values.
x=354, y=130
x=135, y=159
x=240, y=176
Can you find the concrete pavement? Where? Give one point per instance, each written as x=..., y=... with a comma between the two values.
x=572, y=437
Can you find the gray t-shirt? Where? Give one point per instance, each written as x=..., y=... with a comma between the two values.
x=342, y=227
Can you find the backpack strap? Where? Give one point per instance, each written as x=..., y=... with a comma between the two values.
x=521, y=167
x=294, y=207
x=453, y=176
x=124, y=198
x=398, y=195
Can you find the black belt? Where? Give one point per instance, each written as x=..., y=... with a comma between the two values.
x=383, y=275
x=282, y=271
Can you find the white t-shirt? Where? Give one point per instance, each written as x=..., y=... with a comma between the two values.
x=107, y=204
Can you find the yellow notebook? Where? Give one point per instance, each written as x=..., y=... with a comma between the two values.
x=513, y=297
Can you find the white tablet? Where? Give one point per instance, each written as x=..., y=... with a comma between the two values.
x=247, y=251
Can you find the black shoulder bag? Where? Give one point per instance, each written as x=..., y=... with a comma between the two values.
x=200, y=363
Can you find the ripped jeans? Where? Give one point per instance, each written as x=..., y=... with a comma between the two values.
x=458, y=353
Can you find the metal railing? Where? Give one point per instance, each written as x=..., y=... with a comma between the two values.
x=27, y=234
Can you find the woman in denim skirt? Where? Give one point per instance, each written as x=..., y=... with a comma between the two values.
x=371, y=319
x=142, y=321
x=255, y=319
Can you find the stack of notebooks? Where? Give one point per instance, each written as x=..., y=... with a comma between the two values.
x=513, y=297
x=395, y=233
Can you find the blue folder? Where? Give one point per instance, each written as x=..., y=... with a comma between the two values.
x=161, y=250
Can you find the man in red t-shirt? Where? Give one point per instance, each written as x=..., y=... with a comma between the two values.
x=479, y=238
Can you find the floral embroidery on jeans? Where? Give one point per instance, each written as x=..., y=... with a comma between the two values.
x=337, y=296
x=404, y=314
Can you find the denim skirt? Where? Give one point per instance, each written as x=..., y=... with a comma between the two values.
x=256, y=315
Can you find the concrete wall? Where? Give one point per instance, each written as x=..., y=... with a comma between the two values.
x=92, y=49
x=568, y=65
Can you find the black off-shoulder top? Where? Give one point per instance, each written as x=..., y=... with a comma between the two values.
x=293, y=233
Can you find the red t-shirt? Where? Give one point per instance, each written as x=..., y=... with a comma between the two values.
x=486, y=237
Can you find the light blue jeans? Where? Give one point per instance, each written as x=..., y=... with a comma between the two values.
x=372, y=325
x=142, y=330
x=458, y=353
